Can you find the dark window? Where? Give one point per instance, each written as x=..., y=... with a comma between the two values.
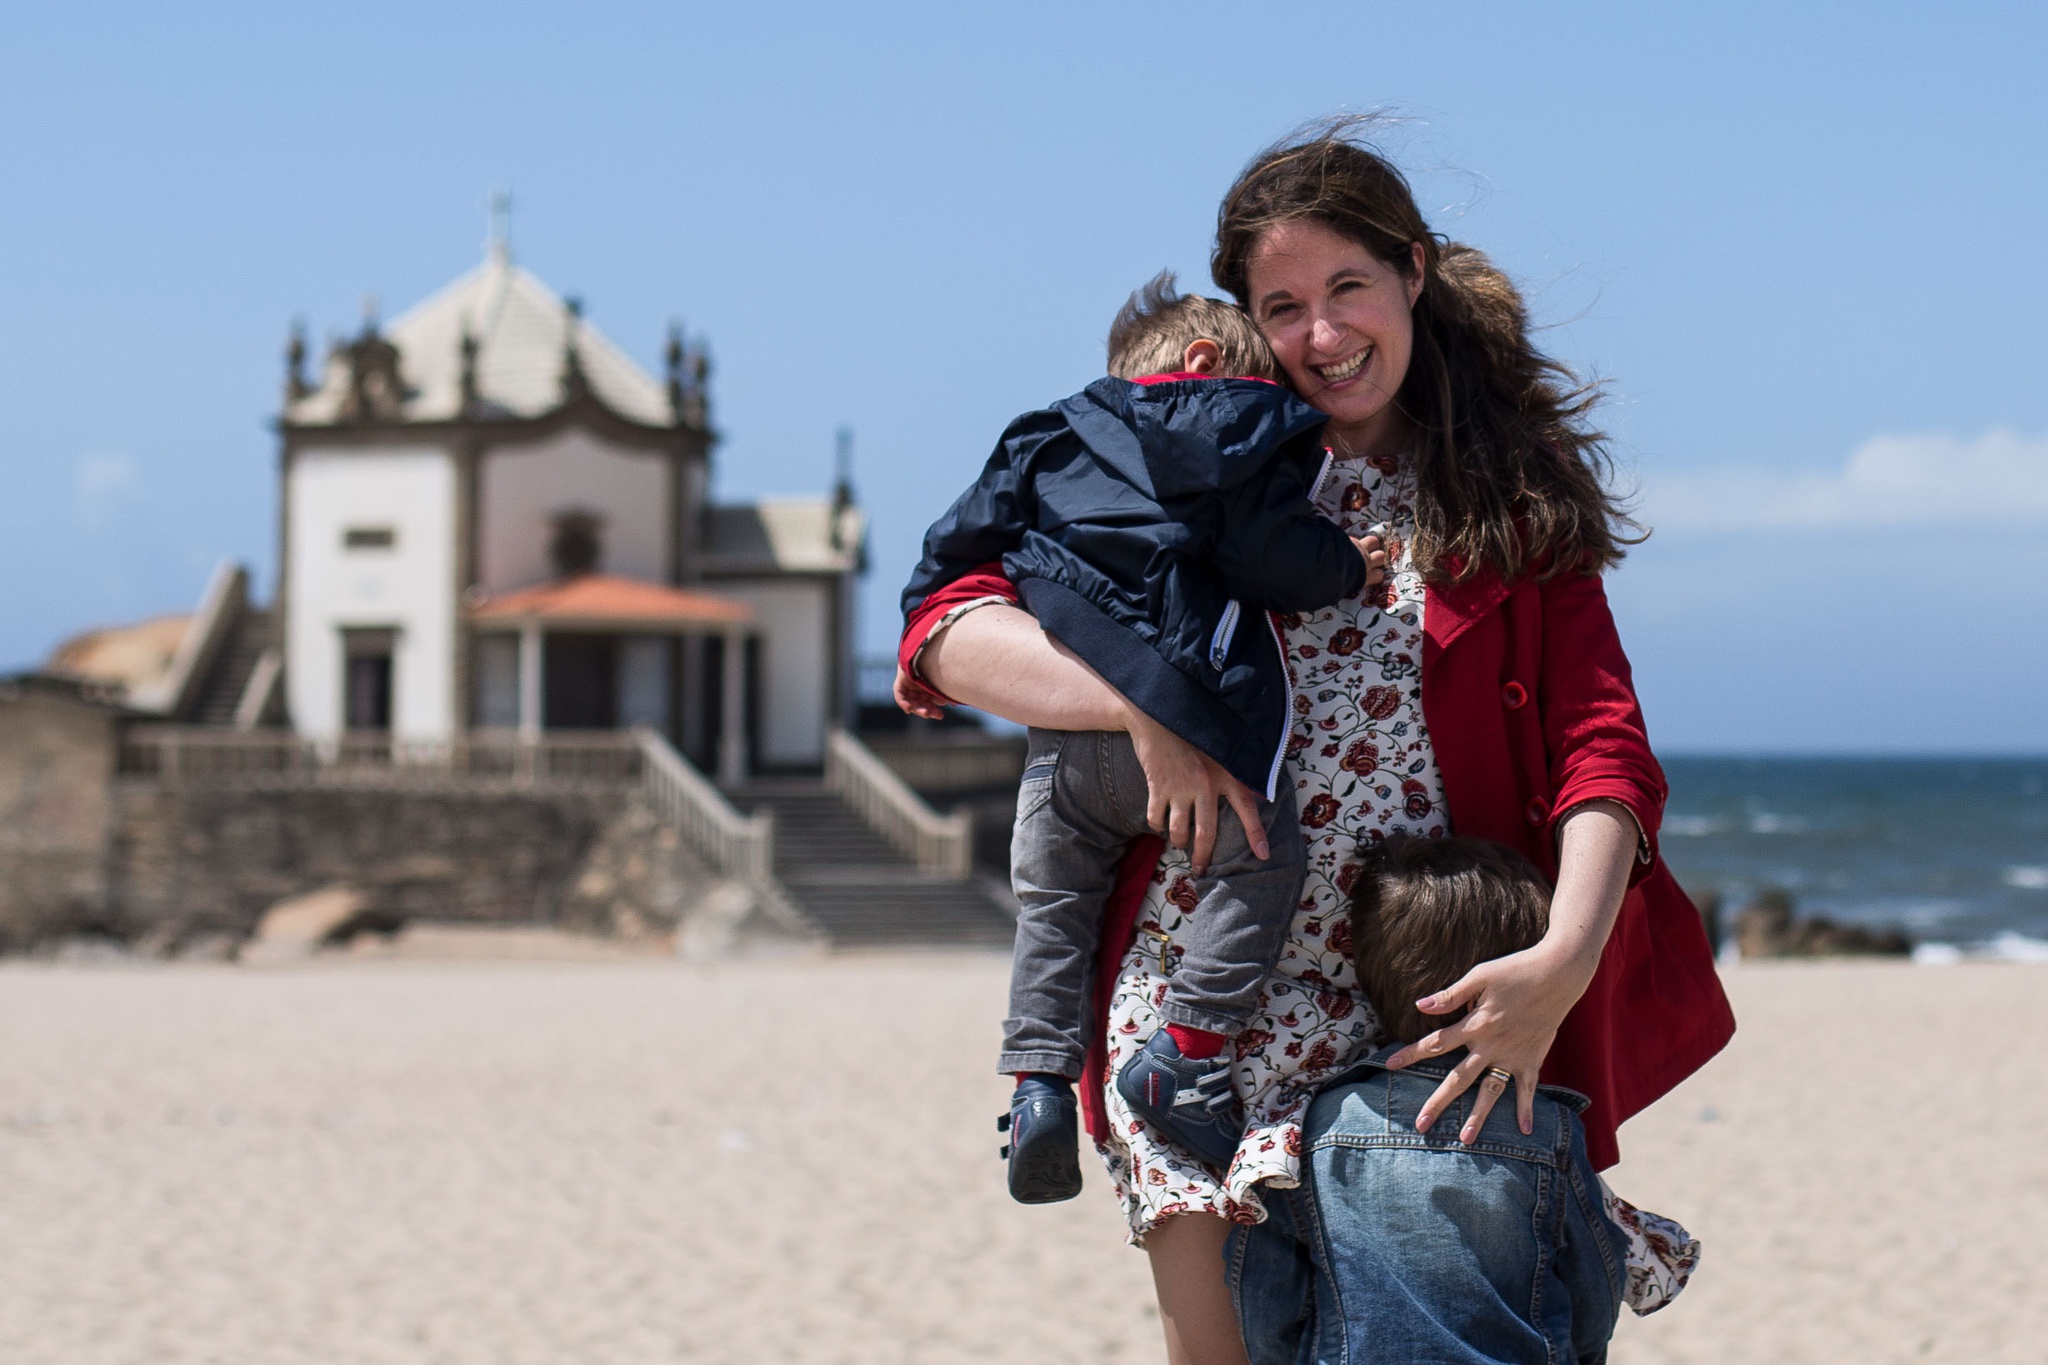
x=577, y=544
x=369, y=692
x=581, y=687
x=369, y=538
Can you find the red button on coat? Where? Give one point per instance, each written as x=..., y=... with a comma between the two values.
x=1538, y=810
x=1514, y=695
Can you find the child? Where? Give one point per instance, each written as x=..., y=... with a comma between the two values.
x=1149, y=523
x=1507, y=1247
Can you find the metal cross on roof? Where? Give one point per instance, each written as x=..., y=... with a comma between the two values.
x=498, y=242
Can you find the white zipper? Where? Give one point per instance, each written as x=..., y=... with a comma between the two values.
x=1329, y=458
x=1226, y=631
x=1287, y=711
x=1280, y=649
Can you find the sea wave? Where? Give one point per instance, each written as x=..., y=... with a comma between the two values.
x=1764, y=822
x=2027, y=878
x=2005, y=947
x=1691, y=826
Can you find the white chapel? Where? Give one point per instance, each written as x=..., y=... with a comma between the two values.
x=492, y=518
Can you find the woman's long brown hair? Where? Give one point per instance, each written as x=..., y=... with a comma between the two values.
x=1510, y=475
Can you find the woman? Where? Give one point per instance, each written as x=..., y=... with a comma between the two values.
x=1482, y=690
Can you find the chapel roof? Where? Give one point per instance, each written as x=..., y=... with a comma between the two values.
x=522, y=329
x=608, y=600
x=784, y=535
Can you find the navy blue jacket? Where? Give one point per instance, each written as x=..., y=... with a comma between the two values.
x=1142, y=525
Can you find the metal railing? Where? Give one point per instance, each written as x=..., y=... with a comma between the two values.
x=737, y=845
x=936, y=843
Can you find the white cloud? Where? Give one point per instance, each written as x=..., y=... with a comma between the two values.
x=103, y=482
x=1999, y=478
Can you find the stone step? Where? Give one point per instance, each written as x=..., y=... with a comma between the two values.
x=221, y=690
x=859, y=890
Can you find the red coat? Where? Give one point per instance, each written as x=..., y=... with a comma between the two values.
x=1531, y=711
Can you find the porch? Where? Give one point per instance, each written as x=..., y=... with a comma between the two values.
x=603, y=652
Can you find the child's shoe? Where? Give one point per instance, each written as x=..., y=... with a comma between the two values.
x=1188, y=1099
x=1044, y=1128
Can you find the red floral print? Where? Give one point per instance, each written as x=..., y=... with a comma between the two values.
x=1321, y=810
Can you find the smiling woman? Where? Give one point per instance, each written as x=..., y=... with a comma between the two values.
x=1480, y=691
x=1362, y=303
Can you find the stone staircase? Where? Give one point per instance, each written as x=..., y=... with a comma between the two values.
x=220, y=692
x=856, y=888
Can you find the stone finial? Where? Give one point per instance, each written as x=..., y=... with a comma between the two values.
x=469, y=354
x=697, y=387
x=295, y=385
x=376, y=389
x=672, y=356
x=575, y=383
x=842, y=485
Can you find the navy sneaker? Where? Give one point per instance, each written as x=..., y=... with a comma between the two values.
x=1187, y=1099
x=1045, y=1128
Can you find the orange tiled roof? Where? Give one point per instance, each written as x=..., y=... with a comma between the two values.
x=608, y=599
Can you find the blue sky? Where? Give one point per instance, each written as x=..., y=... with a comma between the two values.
x=1803, y=242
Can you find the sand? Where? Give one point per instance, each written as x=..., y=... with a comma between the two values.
x=762, y=1161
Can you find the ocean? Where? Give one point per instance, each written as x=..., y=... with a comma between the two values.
x=1952, y=850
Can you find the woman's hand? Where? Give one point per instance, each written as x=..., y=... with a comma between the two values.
x=1517, y=1002
x=998, y=660
x=1183, y=785
x=1373, y=551
x=917, y=699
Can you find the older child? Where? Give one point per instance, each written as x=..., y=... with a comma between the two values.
x=1545, y=1255
x=1149, y=523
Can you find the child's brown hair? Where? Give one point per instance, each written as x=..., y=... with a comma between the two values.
x=1426, y=911
x=1157, y=324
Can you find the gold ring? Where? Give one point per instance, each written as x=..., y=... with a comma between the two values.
x=1503, y=1076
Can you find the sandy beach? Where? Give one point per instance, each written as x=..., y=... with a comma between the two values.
x=794, y=1161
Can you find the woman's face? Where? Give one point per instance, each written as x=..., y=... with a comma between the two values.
x=1338, y=318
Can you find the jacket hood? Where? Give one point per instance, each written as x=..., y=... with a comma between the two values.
x=1172, y=438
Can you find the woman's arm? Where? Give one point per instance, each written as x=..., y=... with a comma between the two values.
x=997, y=659
x=1517, y=1002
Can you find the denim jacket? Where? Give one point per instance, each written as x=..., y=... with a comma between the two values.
x=1413, y=1248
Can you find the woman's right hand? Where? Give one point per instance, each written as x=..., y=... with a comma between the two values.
x=1374, y=552
x=1183, y=787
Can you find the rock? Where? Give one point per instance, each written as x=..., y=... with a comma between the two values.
x=209, y=947
x=294, y=928
x=1763, y=928
x=1708, y=903
x=734, y=918
x=1767, y=928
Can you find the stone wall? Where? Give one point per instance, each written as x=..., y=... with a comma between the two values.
x=195, y=861
x=56, y=760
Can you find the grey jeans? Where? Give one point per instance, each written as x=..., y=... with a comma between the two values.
x=1081, y=803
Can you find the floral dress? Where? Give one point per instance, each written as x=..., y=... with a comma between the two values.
x=1362, y=766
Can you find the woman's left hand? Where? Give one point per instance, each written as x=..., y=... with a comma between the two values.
x=1518, y=1001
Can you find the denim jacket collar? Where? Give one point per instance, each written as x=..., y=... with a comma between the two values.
x=1436, y=1068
